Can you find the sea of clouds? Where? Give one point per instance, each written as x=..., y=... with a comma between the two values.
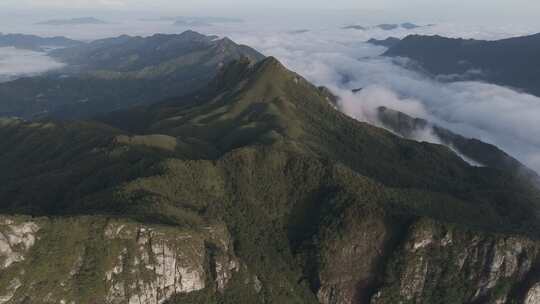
x=341, y=60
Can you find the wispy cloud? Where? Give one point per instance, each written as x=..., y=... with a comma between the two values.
x=15, y=63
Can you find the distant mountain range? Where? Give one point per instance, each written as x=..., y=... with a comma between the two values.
x=510, y=62
x=195, y=21
x=388, y=42
x=252, y=189
x=385, y=26
x=72, y=21
x=302, y=31
x=115, y=73
x=355, y=27
x=205, y=20
x=409, y=26
x=35, y=43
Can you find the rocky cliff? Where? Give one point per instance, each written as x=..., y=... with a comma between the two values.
x=95, y=260
x=440, y=263
x=430, y=262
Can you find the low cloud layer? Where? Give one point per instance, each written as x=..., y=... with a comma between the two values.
x=15, y=63
x=341, y=61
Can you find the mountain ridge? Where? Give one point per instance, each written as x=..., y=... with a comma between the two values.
x=505, y=62
x=35, y=43
x=115, y=73
x=480, y=152
x=72, y=21
x=283, y=199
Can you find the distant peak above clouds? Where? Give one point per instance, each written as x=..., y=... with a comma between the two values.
x=35, y=43
x=386, y=26
x=510, y=62
x=72, y=21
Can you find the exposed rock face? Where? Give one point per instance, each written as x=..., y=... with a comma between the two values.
x=162, y=266
x=349, y=266
x=15, y=240
x=438, y=261
x=120, y=262
x=9, y=292
x=93, y=260
x=375, y=260
x=533, y=296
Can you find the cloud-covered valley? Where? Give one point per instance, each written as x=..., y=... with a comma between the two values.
x=342, y=61
x=15, y=63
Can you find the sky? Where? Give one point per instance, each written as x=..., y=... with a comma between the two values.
x=441, y=10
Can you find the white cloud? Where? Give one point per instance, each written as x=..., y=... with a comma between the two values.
x=341, y=61
x=15, y=63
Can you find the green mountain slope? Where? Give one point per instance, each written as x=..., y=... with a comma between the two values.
x=316, y=207
x=509, y=62
x=116, y=73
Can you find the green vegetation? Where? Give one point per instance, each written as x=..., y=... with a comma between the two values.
x=509, y=62
x=116, y=73
x=263, y=152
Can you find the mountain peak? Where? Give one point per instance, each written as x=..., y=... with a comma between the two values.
x=189, y=34
x=271, y=69
x=272, y=63
x=268, y=72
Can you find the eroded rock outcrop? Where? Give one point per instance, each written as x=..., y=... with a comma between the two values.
x=533, y=295
x=85, y=259
x=16, y=238
x=95, y=260
x=441, y=262
x=349, y=264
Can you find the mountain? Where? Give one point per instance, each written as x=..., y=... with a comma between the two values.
x=191, y=23
x=387, y=27
x=115, y=73
x=73, y=21
x=355, y=27
x=509, y=62
x=297, y=32
x=388, y=42
x=409, y=26
x=255, y=189
x=201, y=21
x=474, y=149
x=152, y=57
x=35, y=43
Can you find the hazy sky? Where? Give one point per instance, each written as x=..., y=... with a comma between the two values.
x=514, y=5
x=436, y=9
